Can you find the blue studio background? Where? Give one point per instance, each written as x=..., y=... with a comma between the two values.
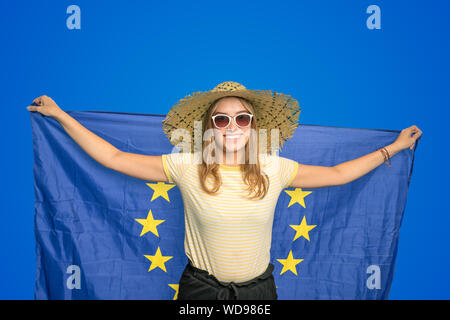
x=142, y=56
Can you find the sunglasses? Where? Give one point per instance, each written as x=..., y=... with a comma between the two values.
x=222, y=121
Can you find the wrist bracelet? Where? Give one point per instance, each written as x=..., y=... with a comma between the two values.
x=386, y=155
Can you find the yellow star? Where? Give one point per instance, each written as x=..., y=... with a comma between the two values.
x=149, y=224
x=297, y=195
x=174, y=287
x=289, y=263
x=302, y=229
x=160, y=189
x=158, y=260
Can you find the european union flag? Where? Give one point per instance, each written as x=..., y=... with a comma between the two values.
x=103, y=235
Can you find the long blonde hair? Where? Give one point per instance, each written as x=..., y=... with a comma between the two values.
x=251, y=173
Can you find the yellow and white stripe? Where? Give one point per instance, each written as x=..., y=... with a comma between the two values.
x=228, y=234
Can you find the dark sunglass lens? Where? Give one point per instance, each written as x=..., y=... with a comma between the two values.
x=221, y=121
x=243, y=120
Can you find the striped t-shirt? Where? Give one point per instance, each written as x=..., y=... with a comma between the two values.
x=228, y=234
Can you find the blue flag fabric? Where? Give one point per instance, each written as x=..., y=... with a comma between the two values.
x=101, y=234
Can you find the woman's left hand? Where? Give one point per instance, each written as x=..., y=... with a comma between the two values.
x=407, y=137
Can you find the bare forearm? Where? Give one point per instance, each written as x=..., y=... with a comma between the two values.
x=356, y=168
x=96, y=147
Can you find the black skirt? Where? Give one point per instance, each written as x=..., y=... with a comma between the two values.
x=198, y=284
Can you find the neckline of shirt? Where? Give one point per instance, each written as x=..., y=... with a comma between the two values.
x=231, y=168
x=235, y=168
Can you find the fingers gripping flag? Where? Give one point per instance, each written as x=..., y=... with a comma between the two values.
x=103, y=235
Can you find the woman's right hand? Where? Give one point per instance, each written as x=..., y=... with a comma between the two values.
x=46, y=106
x=145, y=167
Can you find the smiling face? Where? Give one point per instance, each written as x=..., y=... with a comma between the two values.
x=233, y=138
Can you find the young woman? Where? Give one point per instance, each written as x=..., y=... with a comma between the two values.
x=229, y=194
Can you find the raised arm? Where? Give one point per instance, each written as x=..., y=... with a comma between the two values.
x=309, y=176
x=145, y=167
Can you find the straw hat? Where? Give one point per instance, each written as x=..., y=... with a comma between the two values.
x=273, y=111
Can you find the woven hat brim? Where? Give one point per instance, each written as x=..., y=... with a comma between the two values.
x=273, y=110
